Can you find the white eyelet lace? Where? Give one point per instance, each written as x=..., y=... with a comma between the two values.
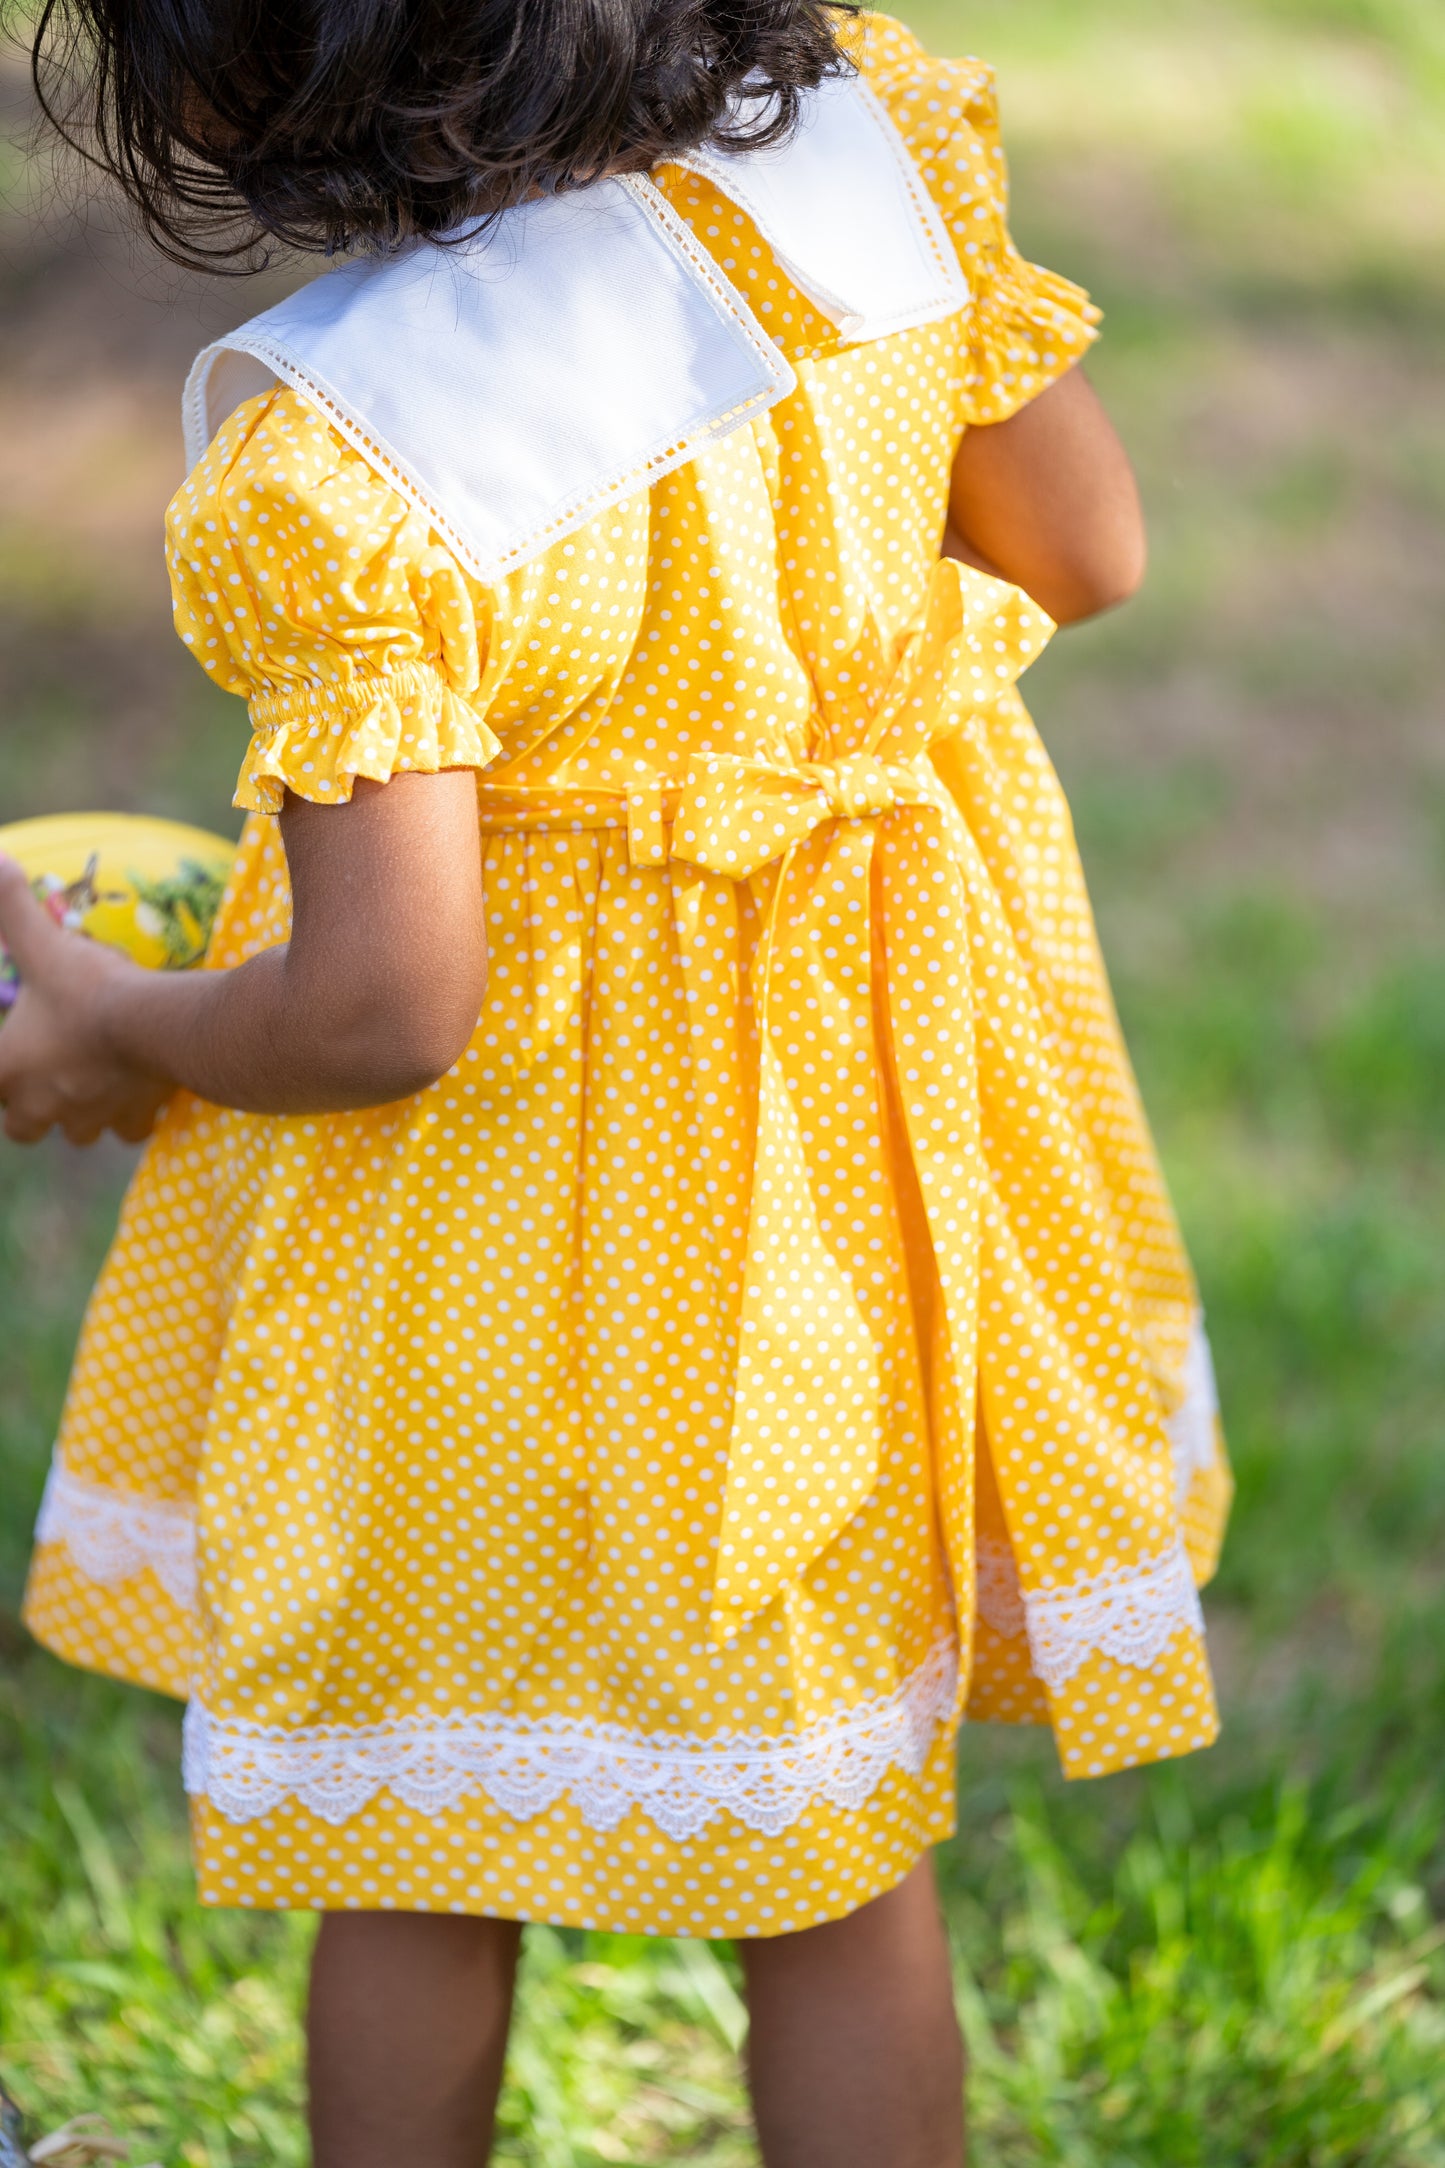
x=114, y=1535
x=682, y=1782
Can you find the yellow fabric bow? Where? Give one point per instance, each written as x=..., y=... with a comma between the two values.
x=736, y=815
x=891, y=870
x=807, y=1416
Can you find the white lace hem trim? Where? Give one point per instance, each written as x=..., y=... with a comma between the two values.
x=114, y=1535
x=525, y=1765
x=1131, y=1613
x=1194, y=1426
x=997, y=1593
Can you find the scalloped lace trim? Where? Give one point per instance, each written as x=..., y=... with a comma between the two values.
x=1130, y=1613
x=524, y=1766
x=114, y=1535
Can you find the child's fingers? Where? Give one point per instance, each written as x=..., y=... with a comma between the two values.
x=14, y=1094
x=22, y=1119
x=27, y=929
x=28, y=1116
x=138, y=1120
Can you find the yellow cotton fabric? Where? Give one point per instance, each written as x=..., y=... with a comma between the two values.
x=590, y=1457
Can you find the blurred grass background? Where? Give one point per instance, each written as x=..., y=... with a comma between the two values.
x=1237, y=1961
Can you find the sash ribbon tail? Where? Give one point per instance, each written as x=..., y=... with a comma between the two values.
x=831, y=978
x=885, y=907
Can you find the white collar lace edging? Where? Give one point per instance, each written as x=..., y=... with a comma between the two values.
x=516, y=385
x=843, y=208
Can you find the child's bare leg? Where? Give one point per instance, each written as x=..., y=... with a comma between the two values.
x=854, y=2055
x=407, y=2033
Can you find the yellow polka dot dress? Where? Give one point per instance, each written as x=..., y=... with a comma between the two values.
x=594, y=1489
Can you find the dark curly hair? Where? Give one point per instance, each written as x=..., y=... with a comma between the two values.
x=363, y=124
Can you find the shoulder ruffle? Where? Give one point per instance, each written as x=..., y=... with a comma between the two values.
x=316, y=740
x=1027, y=326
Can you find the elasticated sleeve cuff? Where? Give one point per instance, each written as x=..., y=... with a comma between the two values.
x=315, y=740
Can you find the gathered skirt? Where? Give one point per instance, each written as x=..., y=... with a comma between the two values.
x=595, y=1489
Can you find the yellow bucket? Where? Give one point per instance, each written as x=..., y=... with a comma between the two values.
x=150, y=887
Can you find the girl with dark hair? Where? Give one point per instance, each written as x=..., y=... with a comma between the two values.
x=649, y=1295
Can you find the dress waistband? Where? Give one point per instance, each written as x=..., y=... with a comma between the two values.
x=729, y=814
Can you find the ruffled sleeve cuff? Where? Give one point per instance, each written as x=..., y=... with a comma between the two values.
x=1028, y=328
x=315, y=740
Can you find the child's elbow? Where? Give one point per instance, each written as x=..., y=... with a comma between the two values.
x=1100, y=581
x=411, y=1061
x=401, y=1044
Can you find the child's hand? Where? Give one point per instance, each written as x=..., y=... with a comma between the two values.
x=57, y=1067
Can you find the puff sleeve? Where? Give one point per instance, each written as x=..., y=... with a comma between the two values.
x=302, y=581
x=1026, y=326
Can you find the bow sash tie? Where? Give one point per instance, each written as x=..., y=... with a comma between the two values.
x=807, y=1420
x=735, y=815
x=807, y=1426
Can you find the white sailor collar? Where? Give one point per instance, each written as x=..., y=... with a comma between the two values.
x=515, y=385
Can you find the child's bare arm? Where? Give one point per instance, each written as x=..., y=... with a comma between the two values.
x=373, y=998
x=1047, y=499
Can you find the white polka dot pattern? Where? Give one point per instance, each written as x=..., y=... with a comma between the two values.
x=784, y=1260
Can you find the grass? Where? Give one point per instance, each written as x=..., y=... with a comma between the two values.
x=1238, y=1962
